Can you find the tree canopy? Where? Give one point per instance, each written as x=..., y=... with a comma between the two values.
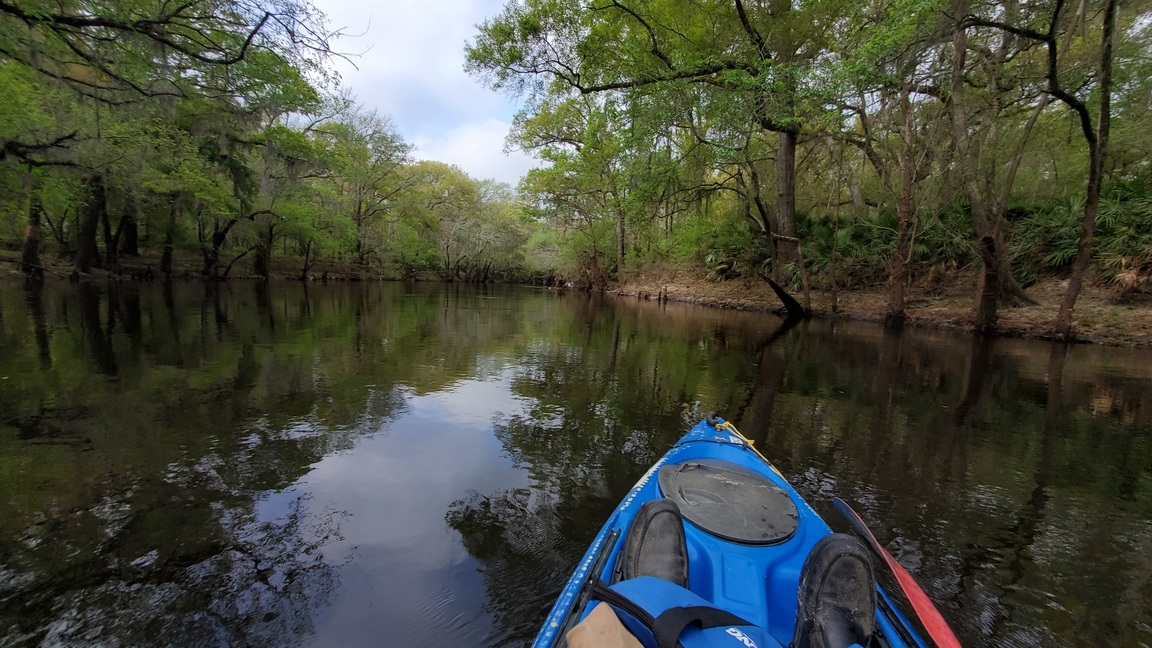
x=887, y=141
x=215, y=128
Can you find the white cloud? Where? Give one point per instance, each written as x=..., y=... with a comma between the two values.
x=477, y=147
x=412, y=70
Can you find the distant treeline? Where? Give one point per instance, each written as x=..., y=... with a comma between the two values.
x=213, y=130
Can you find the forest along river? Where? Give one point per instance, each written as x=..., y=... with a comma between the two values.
x=400, y=465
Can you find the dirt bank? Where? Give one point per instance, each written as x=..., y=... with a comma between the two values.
x=1098, y=319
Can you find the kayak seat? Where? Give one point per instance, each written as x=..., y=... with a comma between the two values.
x=661, y=614
x=655, y=545
x=837, y=595
x=730, y=501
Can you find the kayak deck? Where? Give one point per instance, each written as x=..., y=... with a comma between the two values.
x=748, y=564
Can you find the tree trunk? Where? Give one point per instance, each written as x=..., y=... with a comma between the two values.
x=308, y=260
x=166, y=256
x=30, y=255
x=130, y=240
x=1098, y=153
x=619, y=244
x=996, y=64
x=766, y=221
x=211, y=251
x=87, y=254
x=169, y=234
x=858, y=203
x=987, y=287
x=260, y=261
x=1010, y=288
x=1083, y=257
x=111, y=244
x=211, y=267
x=832, y=264
x=897, y=274
x=360, y=253
x=788, y=249
x=986, y=309
x=786, y=199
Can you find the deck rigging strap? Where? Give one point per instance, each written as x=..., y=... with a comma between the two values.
x=672, y=622
x=722, y=425
x=667, y=626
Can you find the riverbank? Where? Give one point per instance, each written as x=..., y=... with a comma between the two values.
x=1098, y=319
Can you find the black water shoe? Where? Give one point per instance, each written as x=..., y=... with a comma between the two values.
x=655, y=544
x=837, y=595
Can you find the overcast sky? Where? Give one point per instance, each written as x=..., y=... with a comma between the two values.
x=412, y=70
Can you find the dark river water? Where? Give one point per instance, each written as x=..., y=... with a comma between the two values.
x=397, y=465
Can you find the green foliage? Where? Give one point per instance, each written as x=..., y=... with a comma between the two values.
x=1124, y=245
x=662, y=122
x=542, y=250
x=410, y=252
x=726, y=243
x=1123, y=239
x=227, y=151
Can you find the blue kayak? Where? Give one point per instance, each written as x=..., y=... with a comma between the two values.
x=746, y=535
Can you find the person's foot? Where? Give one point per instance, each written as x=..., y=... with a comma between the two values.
x=837, y=595
x=655, y=544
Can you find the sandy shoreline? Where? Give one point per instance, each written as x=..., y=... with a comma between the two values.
x=1098, y=319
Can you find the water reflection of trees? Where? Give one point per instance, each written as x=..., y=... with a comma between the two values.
x=518, y=536
x=229, y=578
x=1006, y=473
x=139, y=430
x=987, y=467
x=610, y=388
x=141, y=426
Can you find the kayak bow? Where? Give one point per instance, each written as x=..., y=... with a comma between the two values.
x=746, y=536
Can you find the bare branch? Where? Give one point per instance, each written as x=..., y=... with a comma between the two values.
x=761, y=46
x=976, y=21
x=643, y=23
x=24, y=151
x=697, y=73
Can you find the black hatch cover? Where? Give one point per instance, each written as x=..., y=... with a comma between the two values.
x=730, y=501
